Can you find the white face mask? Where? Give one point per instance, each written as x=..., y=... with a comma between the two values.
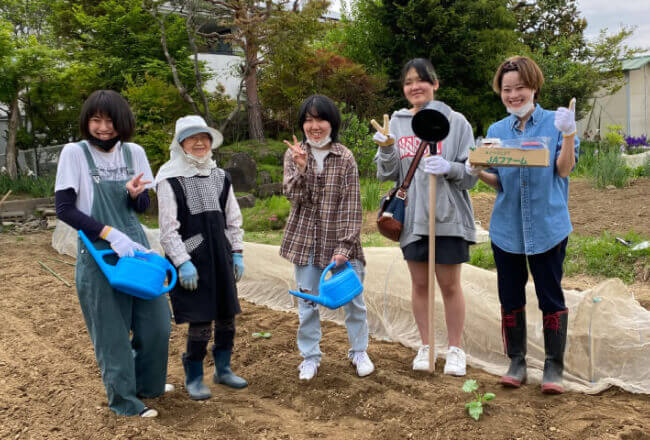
x=326, y=140
x=524, y=109
x=203, y=164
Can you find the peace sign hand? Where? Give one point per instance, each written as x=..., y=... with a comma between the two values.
x=136, y=185
x=298, y=155
x=383, y=138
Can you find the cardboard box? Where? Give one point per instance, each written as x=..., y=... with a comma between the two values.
x=509, y=157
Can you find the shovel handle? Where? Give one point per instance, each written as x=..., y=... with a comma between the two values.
x=432, y=270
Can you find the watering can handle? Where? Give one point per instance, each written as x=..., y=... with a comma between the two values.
x=328, y=268
x=172, y=281
x=97, y=255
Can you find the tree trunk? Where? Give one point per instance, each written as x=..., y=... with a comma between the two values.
x=12, y=129
x=255, y=127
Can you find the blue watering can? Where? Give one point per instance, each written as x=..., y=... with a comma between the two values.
x=142, y=276
x=337, y=290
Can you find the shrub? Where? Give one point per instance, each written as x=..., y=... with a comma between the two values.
x=267, y=214
x=614, y=140
x=481, y=256
x=34, y=186
x=610, y=169
x=587, y=156
x=355, y=135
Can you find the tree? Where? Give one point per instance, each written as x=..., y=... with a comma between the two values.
x=28, y=65
x=464, y=39
x=553, y=31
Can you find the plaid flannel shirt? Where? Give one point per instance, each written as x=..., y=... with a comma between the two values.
x=326, y=213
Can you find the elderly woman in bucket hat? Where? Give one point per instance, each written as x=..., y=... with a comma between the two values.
x=200, y=231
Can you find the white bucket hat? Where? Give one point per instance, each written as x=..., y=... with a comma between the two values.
x=190, y=125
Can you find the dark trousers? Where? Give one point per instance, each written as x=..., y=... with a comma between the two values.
x=200, y=333
x=546, y=269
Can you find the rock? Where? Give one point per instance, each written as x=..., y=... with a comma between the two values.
x=635, y=160
x=243, y=171
x=247, y=201
x=610, y=187
x=269, y=189
x=265, y=177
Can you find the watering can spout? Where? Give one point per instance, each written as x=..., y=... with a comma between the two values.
x=307, y=296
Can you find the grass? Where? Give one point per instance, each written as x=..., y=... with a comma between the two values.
x=482, y=187
x=267, y=215
x=372, y=191
x=31, y=186
x=609, y=169
x=597, y=256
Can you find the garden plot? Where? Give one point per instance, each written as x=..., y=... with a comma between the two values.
x=50, y=385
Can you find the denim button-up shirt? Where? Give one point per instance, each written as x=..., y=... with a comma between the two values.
x=531, y=213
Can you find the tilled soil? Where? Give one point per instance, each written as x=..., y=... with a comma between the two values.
x=50, y=386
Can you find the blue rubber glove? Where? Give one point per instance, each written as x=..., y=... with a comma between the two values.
x=188, y=276
x=238, y=265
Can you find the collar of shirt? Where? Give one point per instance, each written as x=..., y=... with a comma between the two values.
x=534, y=119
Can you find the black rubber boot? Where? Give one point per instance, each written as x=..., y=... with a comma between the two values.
x=222, y=372
x=555, y=330
x=513, y=327
x=194, y=380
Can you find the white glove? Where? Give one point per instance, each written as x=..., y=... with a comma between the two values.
x=122, y=244
x=436, y=165
x=474, y=170
x=383, y=137
x=565, y=121
x=383, y=140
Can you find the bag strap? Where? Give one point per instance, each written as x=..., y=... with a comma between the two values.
x=413, y=167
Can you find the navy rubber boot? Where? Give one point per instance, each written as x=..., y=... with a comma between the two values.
x=194, y=380
x=222, y=372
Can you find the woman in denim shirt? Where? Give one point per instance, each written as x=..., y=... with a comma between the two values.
x=530, y=220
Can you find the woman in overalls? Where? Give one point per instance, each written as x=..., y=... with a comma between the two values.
x=101, y=184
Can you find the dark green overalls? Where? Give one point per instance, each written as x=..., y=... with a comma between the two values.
x=134, y=366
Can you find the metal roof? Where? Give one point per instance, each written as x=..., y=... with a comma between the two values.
x=635, y=63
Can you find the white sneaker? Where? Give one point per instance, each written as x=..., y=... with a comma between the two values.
x=421, y=361
x=148, y=412
x=308, y=369
x=456, y=364
x=169, y=388
x=363, y=363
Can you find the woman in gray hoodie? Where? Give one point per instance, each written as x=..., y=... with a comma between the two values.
x=455, y=229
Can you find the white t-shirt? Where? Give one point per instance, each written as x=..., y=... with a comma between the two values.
x=319, y=157
x=73, y=171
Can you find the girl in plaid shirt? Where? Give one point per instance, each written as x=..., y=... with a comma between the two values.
x=321, y=181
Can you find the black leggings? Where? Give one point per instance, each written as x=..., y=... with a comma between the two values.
x=200, y=333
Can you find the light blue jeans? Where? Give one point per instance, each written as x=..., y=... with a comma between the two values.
x=309, y=332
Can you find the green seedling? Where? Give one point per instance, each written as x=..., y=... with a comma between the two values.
x=475, y=407
x=265, y=335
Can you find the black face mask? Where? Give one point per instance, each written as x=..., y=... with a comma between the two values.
x=104, y=145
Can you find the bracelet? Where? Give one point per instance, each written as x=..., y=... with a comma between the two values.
x=103, y=237
x=570, y=134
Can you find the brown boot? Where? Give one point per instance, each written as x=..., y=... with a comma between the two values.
x=555, y=331
x=513, y=327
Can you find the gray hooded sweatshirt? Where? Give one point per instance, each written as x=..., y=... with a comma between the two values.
x=454, y=213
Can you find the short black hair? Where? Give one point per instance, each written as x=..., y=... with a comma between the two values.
x=322, y=107
x=423, y=67
x=112, y=104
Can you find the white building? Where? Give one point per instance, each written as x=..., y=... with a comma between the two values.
x=628, y=107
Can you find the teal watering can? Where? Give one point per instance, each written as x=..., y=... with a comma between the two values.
x=142, y=276
x=337, y=290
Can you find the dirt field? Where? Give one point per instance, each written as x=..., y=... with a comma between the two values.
x=50, y=385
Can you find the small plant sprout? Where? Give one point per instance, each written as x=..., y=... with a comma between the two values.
x=475, y=407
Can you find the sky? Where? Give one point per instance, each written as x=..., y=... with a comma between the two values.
x=613, y=14
x=610, y=14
